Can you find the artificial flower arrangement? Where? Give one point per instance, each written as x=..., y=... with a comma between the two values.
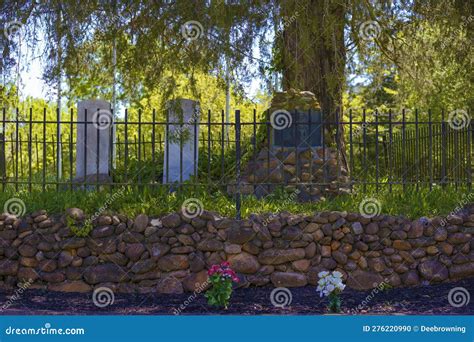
x=221, y=278
x=330, y=285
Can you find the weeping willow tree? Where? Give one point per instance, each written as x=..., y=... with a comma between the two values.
x=312, y=43
x=155, y=42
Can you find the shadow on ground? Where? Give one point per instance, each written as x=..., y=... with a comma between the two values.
x=423, y=300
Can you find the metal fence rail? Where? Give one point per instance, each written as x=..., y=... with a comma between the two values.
x=38, y=149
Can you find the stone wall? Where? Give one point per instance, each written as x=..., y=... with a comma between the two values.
x=172, y=254
x=315, y=172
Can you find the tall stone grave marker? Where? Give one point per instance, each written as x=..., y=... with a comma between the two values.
x=93, y=142
x=180, y=164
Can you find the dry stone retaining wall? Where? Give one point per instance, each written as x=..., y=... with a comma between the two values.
x=172, y=254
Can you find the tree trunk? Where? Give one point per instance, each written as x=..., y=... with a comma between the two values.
x=313, y=55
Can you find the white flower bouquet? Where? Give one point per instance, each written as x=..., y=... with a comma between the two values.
x=330, y=285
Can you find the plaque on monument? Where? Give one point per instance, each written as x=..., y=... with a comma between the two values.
x=305, y=131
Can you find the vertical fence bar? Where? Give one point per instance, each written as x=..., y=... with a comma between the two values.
x=417, y=148
x=222, y=145
x=268, y=125
x=338, y=146
x=310, y=146
x=112, y=148
x=237, y=164
x=469, y=157
x=139, y=147
x=376, y=150
x=30, y=151
x=85, y=147
x=167, y=128
x=196, y=144
x=153, y=135
x=351, y=150
x=254, y=142
x=209, y=146
x=44, y=150
x=71, y=136
x=403, y=150
x=97, y=159
x=181, y=141
x=323, y=121
x=58, y=148
x=37, y=153
x=390, y=149
x=17, y=125
x=21, y=159
x=295, y=132
x=53, y=145
x=469, y=165
x=364, y=114
x=3, y=165
x=455, y=155
x=12, y=144
x=125, y=140
x=444, y=142
x=430, y=148
x=144, y=142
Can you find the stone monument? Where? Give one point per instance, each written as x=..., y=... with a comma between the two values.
x=94, y=130
x=299, y=153
x=180, y=162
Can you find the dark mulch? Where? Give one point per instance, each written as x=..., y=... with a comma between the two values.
x=425, y=300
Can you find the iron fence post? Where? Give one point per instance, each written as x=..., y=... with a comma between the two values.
x=3, y=169
x=444, y=156
x=237, y=164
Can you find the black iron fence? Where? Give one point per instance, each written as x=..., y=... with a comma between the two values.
x=38, y=150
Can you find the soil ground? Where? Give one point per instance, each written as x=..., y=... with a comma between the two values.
x=423, y=300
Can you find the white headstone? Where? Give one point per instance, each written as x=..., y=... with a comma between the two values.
x=189, y=117
x=95, y=145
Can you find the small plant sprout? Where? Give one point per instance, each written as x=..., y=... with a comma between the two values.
x=221, y=278
x=330, y=285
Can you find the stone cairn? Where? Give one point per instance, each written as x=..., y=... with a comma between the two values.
x=172, y=254
x=285, y=166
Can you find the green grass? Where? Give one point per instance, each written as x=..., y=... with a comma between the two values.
x=411, y=203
